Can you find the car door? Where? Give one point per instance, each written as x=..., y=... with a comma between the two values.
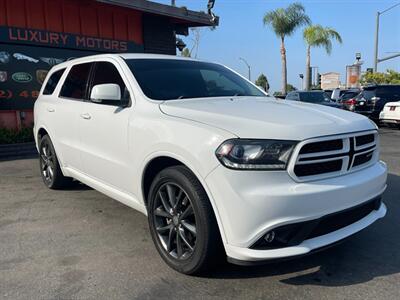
x=66, y=113
x=103, y=127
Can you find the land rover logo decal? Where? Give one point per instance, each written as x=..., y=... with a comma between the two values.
x=22, y=77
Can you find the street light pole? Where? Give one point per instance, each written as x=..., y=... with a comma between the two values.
x=376, y=42
x=248, y=66
x=378, y=14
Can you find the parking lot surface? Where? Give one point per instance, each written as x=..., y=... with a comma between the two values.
x=80, y=244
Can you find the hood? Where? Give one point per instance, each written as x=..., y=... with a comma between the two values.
x=267, y=118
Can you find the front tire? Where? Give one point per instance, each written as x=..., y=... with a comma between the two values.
x=182, y=222
x=50, y=168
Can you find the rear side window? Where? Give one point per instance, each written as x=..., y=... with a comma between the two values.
x=75, y=84
x=368, y=94
x=388, y=91
x=52, y=82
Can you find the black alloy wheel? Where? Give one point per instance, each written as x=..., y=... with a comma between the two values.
x=175, y=221
x=50, y=169
x=182, y=222
x=47, y=162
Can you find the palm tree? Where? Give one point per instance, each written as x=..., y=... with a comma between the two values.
x=318, y=36
x=284, y=21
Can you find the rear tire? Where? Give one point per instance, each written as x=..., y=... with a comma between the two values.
x=182, y=222
x=50, y=169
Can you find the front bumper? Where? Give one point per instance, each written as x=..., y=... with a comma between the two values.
x=250, y=204
x=242, y=256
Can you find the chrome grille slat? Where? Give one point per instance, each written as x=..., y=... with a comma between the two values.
x=348, y=155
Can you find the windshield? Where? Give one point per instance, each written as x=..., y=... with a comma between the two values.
x=348, y=95
x=169, y=79
x=314, y=97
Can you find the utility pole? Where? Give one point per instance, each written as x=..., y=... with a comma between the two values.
x=376, y=59
x=173, y=2
x=248, y=66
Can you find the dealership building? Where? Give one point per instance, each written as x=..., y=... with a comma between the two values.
x=38, y=34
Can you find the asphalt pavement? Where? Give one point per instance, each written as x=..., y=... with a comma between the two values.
x=80, y=244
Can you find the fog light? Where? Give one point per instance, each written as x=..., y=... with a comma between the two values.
x=269, y=237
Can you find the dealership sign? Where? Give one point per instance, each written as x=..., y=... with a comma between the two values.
x=65, y=40
x=26, y=55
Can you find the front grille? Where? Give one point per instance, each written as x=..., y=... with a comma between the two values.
x=318, y=168
x=322, y=146
x=363, y=158
x=365, y=139
x=332, y=156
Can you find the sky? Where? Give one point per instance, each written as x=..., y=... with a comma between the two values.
x=241, y=33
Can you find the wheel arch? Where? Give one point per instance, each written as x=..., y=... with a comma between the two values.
x=41, y=131
x=161, y=161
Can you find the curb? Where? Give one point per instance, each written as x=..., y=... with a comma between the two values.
x=18, y=151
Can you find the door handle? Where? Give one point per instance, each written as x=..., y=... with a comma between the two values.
x=86, y=116
x=50, y=109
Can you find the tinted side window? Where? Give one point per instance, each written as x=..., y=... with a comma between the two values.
x=105, y=73
x=76, y=82
x=52, y=82
x=290, y=96
x=368, y=94
x=388, y=91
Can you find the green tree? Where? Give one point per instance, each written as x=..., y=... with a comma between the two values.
x=290, y=87
x=389, y=77
x=284, y=22
x=318, y=36
x=262, y=82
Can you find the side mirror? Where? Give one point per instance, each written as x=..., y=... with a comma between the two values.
x=108, y=92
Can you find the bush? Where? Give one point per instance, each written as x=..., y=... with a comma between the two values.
x=12, y=136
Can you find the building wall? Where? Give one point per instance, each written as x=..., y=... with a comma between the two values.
x=330, y=81
x=159, y=37
x=78, y=18
x=83, y=17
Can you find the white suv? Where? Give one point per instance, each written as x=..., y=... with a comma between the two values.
x=218, y=166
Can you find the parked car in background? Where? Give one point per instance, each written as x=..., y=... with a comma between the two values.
x=348, y=99
x=316, y=97
x=337, y=93
x=329, y=93
x=390, y=115
x=372, y=99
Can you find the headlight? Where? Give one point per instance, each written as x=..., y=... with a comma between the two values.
x=244, y=154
